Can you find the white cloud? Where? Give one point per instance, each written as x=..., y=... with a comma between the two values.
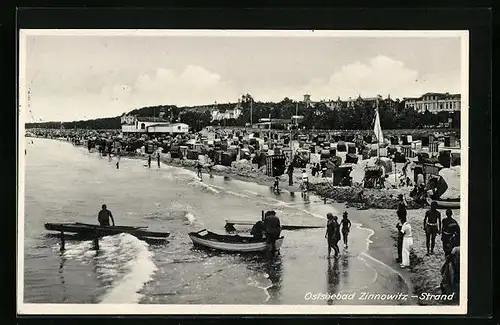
x=380, y=75
x=196, y=85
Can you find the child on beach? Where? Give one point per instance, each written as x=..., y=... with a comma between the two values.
x=198, y=168
x=276, y=186
x=346, y=227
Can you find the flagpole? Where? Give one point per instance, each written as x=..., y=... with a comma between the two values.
x=378, y=132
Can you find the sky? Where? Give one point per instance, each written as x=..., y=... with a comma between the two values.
x=74, y=77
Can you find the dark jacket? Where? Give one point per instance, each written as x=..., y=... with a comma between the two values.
x=272, y=225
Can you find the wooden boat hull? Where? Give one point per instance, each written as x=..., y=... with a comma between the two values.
x=445, y=204
x=90, y=229
x=228, y=243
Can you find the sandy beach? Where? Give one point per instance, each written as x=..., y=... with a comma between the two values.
x=424, y=271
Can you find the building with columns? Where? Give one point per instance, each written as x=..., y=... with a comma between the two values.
x=434, y=102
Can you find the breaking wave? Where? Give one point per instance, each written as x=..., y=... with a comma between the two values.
x=123, y=264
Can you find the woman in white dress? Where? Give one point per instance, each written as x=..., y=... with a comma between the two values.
x=407, y=242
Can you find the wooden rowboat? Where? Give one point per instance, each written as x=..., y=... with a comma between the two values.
x=445, y=204
x=230, y=243
x=93, y=230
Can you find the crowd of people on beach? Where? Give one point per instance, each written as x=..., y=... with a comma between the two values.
x=336, y=230
x=433, y=225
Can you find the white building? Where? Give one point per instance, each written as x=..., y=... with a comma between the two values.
x=133, y=124
x=228, y=114
x=434, y=102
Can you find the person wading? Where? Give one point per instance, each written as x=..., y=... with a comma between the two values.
x=104, y=216
x=407, y=242
x=158, y=159
x=450, y=230
x=272, y=227
x=346, y=228
x=332, y=234
x=432, y=226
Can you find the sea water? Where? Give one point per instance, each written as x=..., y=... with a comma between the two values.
x=65, y=183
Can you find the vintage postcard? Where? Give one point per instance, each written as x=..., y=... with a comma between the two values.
x=242, y=172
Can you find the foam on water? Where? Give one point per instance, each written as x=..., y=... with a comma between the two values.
x=190, y=217
x=141, y=269
x=124, y=263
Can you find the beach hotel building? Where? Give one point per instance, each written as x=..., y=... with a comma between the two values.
x=350, y=102
x=434, y=102
x=153, y=125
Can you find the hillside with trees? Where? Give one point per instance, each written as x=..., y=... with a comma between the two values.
x=393, y=115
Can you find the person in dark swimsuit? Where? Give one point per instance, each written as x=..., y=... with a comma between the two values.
x=450, y=230
x=104, y=216
x=332, y=234
x=158, y=159
x=346, y=227
x=272, y=228
x=432, y=227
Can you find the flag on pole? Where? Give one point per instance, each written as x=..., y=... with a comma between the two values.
x=376, y=127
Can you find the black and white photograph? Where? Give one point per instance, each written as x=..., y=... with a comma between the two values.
x=242, y=172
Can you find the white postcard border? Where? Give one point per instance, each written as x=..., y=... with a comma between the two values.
x=134, y=309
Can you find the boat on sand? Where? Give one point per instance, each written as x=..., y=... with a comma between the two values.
x=91, y=230
x=445, y=204
x=231, y=243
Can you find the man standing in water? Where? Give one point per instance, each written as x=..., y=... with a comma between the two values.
x=432, y=227
x=451, y=230
x=272, y=227
x=104, y=215
x=158, y=159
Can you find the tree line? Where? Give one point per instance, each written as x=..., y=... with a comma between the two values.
x=393, y=115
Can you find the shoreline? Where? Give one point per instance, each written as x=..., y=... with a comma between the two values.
x=377, y=248
x=381, y=244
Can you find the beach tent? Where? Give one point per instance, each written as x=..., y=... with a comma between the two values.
x=372, y=176
x=351, y=158
x=351, y=148
x=341, y=176
x=341, y=146
x=444, y=158
x=275, y=165
x=455, y=159
x=399, y=157
x=325, y=154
